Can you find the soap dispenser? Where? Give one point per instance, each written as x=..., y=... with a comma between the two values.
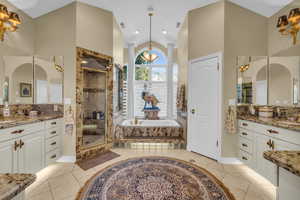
x=6, y=110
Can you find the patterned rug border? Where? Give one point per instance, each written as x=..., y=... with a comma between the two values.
x=226, y=190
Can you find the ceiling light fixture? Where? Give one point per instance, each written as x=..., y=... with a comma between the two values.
x=244, y=68
x=9, y=21
x=290, y=24
x=164, y=32
x=137, y=32
x=148, y=55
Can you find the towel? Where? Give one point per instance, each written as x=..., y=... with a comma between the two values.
x=231, y=120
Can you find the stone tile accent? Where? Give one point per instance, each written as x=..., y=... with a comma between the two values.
x=88, y=152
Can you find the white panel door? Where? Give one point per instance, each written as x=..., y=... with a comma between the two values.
x=31, y=153
x=203, y=107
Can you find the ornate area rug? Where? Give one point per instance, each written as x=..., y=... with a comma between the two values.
x=154, y=178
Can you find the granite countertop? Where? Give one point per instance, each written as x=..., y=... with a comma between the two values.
x=281, y=123
x=289, y=160
x=22, y=120
x=13, y=184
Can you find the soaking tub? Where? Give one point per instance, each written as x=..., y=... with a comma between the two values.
x=149, y=131
x=151, y=123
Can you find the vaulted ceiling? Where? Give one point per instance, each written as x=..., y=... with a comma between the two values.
x=133, y=13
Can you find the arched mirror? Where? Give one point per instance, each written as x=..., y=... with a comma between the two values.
x=252, y=86
x=284, y=81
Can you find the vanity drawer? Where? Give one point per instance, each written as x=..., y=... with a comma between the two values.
x=19, y=131
x=52, y=143
x=245, y=124
x=246, y=134
x=53, y=123
x=246, y=158
x=246, y=145
x=52, y=156
x=52, y=132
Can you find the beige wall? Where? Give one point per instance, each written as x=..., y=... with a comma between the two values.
x=221, y=27
x=206, y=30
x=55, y=35
x=94, y=29
x=278, y=44
x=182, y=52
x=245, y=34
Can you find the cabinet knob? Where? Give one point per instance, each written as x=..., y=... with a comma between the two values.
x=21, y=143
x=244, y=124
x=272, y=131
x=243, y=133
x=53, y=143
x=54, y=156
x=16, y=146
x=244, y=158
x=53, y=123
x=244, y=145
x=53, y=132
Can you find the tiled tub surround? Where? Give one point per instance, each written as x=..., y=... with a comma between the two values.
x=289, y=160
x=11, y=185
x=243, y=113
x=160, y=133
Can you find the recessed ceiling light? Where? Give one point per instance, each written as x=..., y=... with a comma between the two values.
x=164, y=32
x=137, y=32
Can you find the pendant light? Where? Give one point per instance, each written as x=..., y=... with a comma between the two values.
x=148, y=55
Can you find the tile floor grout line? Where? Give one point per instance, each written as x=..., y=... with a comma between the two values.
x=50, y=188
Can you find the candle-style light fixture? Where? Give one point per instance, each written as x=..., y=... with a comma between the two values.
x=9, y=21
x=290, y=24
x=148, y=55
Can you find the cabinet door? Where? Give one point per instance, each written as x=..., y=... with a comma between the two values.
x=7, y=155
x=31, y=154
x=265, y=167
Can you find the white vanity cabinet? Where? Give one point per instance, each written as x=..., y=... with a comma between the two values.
x=255, y=139
x=24, y=148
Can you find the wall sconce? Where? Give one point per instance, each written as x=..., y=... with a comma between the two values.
x=9, y=21
x=290, y=24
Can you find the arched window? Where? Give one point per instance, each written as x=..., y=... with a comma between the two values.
x=161, y=60
x=153, y=78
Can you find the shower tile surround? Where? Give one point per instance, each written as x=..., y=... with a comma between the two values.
x=243, y=113
x=83, y=153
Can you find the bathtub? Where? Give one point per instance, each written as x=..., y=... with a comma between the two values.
x=151, y=123
x=149, y=130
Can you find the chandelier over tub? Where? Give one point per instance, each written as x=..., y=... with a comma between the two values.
x=148, y=55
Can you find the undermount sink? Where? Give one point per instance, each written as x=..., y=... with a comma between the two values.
x=289, y=123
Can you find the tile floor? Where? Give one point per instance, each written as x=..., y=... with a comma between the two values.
x=62, y=181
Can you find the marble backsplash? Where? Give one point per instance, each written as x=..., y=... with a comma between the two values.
x=287, y=111
x=48, y=109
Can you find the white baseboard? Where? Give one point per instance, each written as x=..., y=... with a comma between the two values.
x=67, y=159
x=228, y=160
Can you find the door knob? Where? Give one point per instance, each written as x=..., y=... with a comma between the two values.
x=193, y=111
